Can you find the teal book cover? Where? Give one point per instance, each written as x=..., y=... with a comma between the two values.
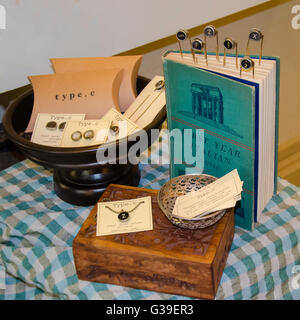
x=227, y=112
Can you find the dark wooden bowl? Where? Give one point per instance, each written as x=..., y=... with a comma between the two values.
x=79, y=178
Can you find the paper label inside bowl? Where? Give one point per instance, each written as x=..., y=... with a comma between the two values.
x=220, y=194
x=85, y=133
x=49, y=128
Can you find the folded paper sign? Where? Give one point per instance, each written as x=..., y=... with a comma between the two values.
x=90, y=92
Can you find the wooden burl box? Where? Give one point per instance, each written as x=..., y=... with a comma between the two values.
x=166, y=259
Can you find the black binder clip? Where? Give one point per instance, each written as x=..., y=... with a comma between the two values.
x=255, y=35
x=198, y=45
x=230, y=44
x=247, y=64
x=211, y=32
x=183, y=35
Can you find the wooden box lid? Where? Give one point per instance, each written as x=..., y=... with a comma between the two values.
x=166, y=259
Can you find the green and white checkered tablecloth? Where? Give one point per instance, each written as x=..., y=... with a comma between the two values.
x=37, y=229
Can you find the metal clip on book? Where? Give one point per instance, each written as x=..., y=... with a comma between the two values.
x=230, y=44
x=255, y=35
x=198, y=45
x=211, y=32
x=183, y=35
x=247, y=64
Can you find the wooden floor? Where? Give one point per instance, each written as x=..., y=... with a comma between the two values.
x=289, y=161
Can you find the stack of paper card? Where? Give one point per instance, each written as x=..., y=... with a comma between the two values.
x=218, y=195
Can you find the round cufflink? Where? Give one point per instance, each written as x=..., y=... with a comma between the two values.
x=159, y=85
x=247, y=64
x=198, y=44
x=210, y=31
x=182, y=35
x=255, y=34
x=61, y=127
x=89, y=134
x=76, y=136
x=229, y=44
x=114, y=130
x=51, y=125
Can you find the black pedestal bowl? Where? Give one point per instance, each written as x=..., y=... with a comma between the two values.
x=79, y=175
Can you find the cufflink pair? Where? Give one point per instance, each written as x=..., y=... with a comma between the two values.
x=52, y=125
x=88, y=135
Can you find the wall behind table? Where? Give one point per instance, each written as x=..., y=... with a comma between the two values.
x=280, y=40
x=38, y=30
x=55, y=28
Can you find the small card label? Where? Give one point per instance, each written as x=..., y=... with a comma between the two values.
x=49, y=128
x=125, y=126
x=85, y=133
x=220, y=194
x=148, y=103
x=124, y=216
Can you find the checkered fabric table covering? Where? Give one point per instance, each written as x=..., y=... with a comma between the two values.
x=37, y=230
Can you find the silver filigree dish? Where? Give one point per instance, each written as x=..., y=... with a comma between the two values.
x=180, y=186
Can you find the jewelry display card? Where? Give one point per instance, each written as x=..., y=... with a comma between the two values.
x=121, y=126
x=89, y=92
x=85, y=133
x=49, y=128
x=148, y=103
x=124, y=216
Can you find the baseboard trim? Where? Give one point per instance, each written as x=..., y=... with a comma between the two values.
x=289, y=158
x=287, y=149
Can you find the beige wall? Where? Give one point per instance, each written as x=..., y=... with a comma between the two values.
x=280, y=40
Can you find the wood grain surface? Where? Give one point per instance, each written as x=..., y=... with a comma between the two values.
x=166, y=259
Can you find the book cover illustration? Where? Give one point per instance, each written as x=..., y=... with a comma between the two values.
x=208, y=107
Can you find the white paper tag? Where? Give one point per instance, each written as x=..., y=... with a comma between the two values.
x=220, y=194
x=85, y=133
x=111, y=216
x=48, y=129
x=148, y=103
x=126, y=126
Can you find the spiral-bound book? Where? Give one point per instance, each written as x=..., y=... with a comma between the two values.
x=238, y=113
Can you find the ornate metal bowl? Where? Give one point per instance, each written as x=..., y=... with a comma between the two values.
x=180, y=186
